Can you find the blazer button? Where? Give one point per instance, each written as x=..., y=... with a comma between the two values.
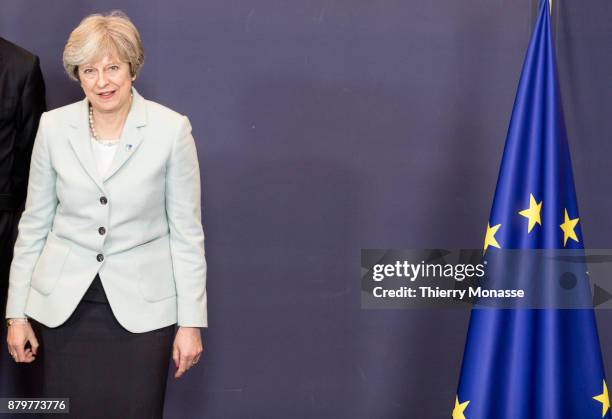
x=103, y=200
x=102, y=231
x=100, y=257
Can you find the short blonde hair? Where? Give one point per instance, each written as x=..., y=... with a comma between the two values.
x=100, y=35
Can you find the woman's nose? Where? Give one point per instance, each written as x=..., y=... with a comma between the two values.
x=101, y=82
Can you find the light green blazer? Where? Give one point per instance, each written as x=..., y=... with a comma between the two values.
x=150, y=252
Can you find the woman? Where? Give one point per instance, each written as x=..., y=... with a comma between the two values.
x=110, y=252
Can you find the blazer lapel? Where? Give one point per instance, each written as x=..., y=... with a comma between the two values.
x=131, y=136
x=80, y=142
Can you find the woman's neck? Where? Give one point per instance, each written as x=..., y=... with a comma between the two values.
x=109, y=125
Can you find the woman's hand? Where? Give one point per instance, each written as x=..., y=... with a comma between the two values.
x=186, y=349
x=18, y=335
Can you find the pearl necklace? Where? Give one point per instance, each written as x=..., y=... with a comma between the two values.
x=95, y=135
x=93, y=129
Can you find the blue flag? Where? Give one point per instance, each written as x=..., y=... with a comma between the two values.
x=534, y=363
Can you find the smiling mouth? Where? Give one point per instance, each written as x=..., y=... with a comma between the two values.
x=106, y=95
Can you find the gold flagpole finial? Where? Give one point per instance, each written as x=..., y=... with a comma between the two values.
x=550, y=5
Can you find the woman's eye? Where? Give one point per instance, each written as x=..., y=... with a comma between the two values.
x=114, y=67
x=87, y=70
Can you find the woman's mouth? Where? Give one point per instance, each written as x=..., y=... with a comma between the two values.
x=106, y=95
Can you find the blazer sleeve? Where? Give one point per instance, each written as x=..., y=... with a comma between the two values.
x=34, y=225
x=186, y=233
x=31, y=106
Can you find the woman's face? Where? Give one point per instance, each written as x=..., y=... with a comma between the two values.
x=107, y=84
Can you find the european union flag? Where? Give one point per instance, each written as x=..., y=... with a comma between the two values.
x=534, y=363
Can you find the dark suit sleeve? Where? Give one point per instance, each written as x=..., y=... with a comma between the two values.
x=31, y=106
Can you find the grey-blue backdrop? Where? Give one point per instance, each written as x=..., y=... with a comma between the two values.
x=324, y=127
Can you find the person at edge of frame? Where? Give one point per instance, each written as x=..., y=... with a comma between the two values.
x=22, y=101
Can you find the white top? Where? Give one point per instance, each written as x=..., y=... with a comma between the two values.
x=103, y=154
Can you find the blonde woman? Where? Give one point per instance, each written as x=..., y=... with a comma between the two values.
x=110, y=252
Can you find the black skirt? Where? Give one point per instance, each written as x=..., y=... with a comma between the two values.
x=105, y=370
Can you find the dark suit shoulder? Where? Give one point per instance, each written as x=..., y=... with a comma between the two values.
x=15, y=56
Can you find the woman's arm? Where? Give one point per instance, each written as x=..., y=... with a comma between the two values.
x=186, y=233
x=34, y=224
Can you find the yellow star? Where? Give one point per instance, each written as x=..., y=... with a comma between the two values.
x=532, y=213
x=604, y=400
x=568, y=229
x=490, y=236
x=459, y=408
